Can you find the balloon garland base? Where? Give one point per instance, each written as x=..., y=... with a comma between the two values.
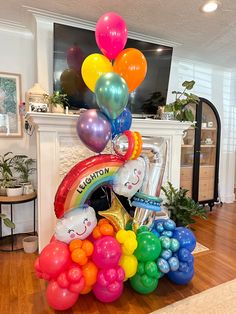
x=103, y=261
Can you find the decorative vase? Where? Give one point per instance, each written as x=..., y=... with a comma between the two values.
x=35, y=99
x=168, y=115
x=27, y=187
x=3, y=191
x=15, y=191
x=30, y=244
x=57, y=108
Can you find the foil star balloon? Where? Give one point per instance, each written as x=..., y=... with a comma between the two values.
x=116, y=214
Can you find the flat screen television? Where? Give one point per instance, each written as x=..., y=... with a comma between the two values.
x=144, y=100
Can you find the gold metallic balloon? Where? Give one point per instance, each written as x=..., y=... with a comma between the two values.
x=116, y=214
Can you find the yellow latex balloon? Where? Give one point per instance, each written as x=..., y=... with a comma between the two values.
x=93, y=67
x=129, y=263
x=129, y=246
x=121, y=236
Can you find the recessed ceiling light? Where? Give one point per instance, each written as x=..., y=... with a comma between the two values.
x=210, y=6
x=159, y=49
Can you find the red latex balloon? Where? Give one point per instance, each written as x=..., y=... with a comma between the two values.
x=132, y=66
x=59, y=298
x=75, y=58
x=54, y=258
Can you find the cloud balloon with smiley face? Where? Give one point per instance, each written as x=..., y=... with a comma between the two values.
x=129, y=178
x=77, y=224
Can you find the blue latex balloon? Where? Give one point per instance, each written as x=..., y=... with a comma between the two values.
x=183, y=266
x=174, y=263
x=167, y=233
x=163, y=265
x=181, y=278
x=185, y=255
x=169, y=224
x=121, y=123
x=191, y=260
x=185, y=237
x=156, y=233
x=166, y=254
x=159, y=227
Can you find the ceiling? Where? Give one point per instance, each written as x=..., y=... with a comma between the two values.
x=205, y=37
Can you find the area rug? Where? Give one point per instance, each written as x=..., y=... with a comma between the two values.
x=218, y=300
x=200, y=248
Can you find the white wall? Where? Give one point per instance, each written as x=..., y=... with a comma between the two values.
x=17, y=56
x=216, y=84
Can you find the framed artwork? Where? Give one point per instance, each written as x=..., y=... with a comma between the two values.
x=10, y=98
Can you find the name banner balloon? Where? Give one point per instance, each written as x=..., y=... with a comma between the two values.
x=83, y=179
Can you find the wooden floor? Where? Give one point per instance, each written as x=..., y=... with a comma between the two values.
x=21, y=292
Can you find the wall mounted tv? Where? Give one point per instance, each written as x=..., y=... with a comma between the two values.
x=144, y=100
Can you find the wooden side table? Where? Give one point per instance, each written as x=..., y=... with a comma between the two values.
x=12, y=200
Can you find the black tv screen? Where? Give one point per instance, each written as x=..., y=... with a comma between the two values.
x=144, y=100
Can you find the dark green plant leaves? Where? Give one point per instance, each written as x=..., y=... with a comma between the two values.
x=181, y=207
x=188, y=84
x=8, y=223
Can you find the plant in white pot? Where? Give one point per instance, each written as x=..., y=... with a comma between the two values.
x=58, y=101
x=6, y=175
x=14, y=189
x=25, y=167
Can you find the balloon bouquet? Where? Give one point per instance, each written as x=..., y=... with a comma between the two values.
x=88, y=255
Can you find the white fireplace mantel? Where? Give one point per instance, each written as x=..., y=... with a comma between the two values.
x=59, y=148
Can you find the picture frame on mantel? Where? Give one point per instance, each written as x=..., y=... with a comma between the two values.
x=10, y=98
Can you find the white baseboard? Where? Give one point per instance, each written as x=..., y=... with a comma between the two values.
x=230, y=198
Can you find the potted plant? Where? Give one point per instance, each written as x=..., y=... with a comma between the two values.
x=57, y=101
x=6, y=166
x=14, y=189
x=24, y=166
x=7, y=222
x=179, y=109
x=182, y=208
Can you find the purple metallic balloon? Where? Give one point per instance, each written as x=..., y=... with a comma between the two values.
x=94, y=130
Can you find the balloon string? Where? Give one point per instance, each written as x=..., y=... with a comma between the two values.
x=107, y=196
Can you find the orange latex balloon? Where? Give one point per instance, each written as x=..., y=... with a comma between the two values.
x=132, y=66
x=79, y=256
x=90, y=272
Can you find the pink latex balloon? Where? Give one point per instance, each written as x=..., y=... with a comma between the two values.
x=111, y=34
x=59, y=298
x=107, y=252
x=75, y=58
x=54, y=258
x=109, y=285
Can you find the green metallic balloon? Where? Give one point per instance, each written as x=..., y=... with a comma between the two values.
x=149, y=247
x=111, y=94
